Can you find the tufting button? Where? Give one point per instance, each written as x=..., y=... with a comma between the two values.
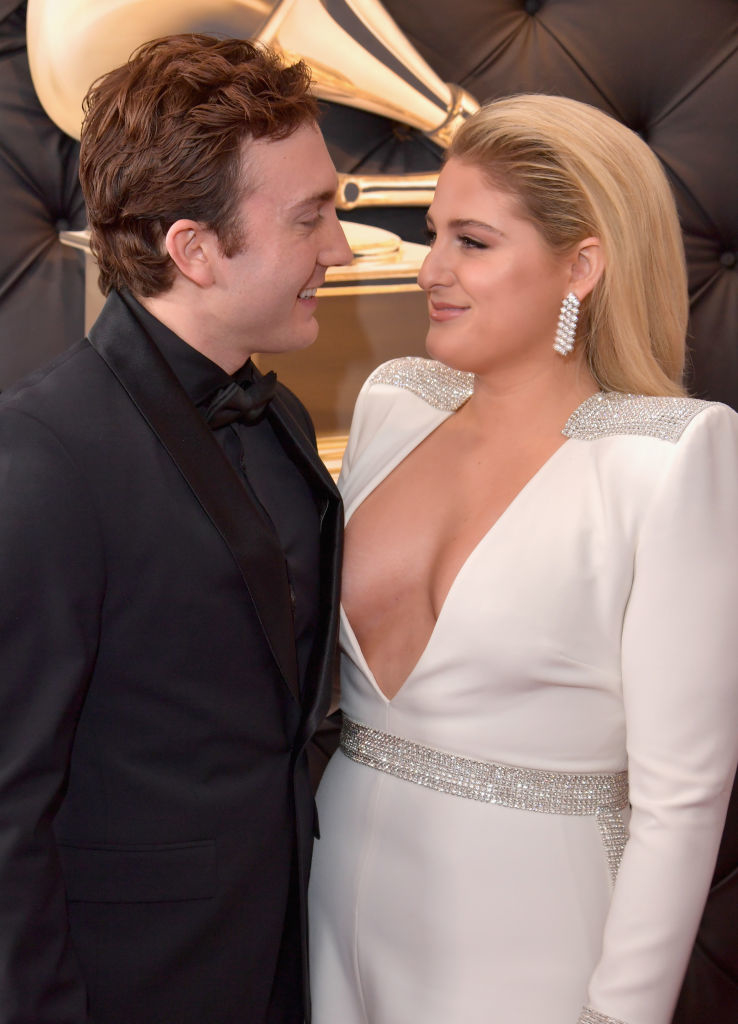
x=351, y=192
x=62, y=224
x=533, y=6
x=728, y=259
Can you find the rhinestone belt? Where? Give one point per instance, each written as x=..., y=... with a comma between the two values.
x=527, y=789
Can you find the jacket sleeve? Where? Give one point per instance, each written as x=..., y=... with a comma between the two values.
x=680, y=692
x=51, y=586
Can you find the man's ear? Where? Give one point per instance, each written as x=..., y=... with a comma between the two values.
x=587, y=266
x=191, y=247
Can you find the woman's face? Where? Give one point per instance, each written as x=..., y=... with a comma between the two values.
x=494, y=288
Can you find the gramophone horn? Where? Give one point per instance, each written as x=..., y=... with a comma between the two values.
x=357, y=53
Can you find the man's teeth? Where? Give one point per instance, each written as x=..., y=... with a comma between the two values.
x=308, y=293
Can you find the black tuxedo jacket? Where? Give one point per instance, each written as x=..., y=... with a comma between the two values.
x=153, y=777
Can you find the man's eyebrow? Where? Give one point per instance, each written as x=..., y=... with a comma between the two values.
x=315, y=200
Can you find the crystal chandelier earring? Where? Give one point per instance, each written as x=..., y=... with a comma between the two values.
x=567, y=326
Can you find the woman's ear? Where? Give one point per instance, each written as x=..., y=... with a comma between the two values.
x=587, y=266
x=191, y=247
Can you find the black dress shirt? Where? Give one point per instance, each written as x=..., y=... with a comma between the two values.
x=264, y=467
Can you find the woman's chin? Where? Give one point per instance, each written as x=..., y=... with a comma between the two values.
x=447, y=355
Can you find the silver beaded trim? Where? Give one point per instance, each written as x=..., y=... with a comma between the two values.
x=614, y=835
x=610, y=413
x=435, y=383
x=590, y=1016
x=527, y=789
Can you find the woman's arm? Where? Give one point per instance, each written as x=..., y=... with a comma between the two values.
x=680, y=691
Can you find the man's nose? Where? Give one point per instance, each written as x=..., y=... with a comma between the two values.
x=337, y=250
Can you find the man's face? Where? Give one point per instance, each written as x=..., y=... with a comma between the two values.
x=264, y=297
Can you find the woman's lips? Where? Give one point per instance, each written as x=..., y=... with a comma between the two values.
x=442, y=311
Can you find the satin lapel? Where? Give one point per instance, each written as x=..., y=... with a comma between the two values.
x=300, y=446
x=318, y=688
x=318, y=683
x=158, y=396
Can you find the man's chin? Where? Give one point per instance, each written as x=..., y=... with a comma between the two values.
x=307, y=335
x=295, y=343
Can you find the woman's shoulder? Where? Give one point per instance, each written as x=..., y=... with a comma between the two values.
x=640, y=447
x=434, y=383
x=399, y=403
x=665, y=418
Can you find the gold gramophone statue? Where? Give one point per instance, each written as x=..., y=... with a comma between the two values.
x=358, y=57
x=357, y=54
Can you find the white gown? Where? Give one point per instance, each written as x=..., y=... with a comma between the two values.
x=591, y=630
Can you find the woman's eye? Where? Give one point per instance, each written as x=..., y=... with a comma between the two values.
x=465, y=241
x=471, y=243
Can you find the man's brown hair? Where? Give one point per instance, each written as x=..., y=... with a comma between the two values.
x=162, y=140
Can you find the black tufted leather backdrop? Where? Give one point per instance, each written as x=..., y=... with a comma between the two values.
x=666, y=68
x=41, y=281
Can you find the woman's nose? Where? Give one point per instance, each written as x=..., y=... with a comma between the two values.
x=433, y=271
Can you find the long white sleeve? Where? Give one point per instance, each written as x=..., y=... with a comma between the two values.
x=680, y=691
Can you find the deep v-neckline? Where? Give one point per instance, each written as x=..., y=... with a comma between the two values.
x=469, y=559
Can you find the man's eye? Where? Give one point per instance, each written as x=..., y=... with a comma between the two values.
x=430, y=236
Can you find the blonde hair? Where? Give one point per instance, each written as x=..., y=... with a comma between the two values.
x=577, y=173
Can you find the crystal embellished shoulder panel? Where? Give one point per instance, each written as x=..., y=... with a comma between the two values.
x=590, y=1016
x=610, y=413
x=436, y=384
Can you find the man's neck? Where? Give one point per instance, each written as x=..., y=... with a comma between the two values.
x=178, y=314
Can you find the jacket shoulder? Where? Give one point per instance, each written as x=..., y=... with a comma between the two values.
x=64, y=365
x=610, y=413
x=438, y=385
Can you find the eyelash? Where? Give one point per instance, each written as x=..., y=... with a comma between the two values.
x=465, y=241
x=472, y=243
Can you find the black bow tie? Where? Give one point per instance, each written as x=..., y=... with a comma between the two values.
x=245, y=402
